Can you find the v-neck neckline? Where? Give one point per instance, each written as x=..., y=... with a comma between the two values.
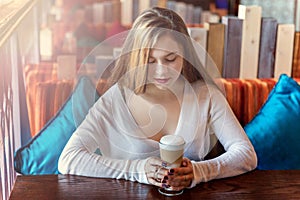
x=122, y=106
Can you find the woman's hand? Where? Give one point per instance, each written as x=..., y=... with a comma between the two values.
x=176, y=178
x=181, y=177
x=155, y=171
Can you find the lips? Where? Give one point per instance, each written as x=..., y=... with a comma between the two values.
x=162, y=80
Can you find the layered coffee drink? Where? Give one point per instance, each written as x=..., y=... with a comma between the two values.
x=171, y=150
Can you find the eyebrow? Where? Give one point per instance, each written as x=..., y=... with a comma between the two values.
x=171, y=53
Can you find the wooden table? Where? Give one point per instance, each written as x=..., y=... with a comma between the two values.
x=282, y=184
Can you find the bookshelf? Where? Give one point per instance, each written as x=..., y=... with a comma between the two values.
x=90, y=29
x=203, y=11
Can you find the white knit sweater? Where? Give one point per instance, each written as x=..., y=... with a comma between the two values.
x=110, y=127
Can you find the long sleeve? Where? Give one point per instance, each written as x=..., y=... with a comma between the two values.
x=76, y=159
x=239, y=157
x=99, y=130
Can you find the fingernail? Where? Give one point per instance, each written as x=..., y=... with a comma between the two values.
x=165, y=177
x=172, y=171
x=164, y=164
x=164, y=181
x=170, y=174
x=165, y=185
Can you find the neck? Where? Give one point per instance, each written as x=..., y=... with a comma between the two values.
x=176, y=90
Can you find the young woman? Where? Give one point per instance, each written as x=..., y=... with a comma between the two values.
x=158, y=87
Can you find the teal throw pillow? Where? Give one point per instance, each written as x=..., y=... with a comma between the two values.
x=41, y=154
x=275, y=130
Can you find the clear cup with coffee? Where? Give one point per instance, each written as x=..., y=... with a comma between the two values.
x=171, y=151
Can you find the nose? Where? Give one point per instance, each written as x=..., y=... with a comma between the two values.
x=161, y=69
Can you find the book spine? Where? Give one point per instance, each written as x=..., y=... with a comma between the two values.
x=250, y=40
x=181, y=9
x=284, y=49
x=199, y=35
x=197, y=15
x=232, y=46
x=135, y=9
x=98, y=13
x=296, y=58
x=116, y=13
x=127, y=12
x=267, y=48
x=215, y=43
x=162, y=3
x=143, y=5
x=108, y=12
x=297, y=16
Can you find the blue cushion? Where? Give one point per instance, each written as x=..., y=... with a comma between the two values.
x=275, y=130
x=40, y=155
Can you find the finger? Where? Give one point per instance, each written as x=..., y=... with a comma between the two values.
x=161, y=173
x=180, y=181
x=155, y=182
x=157, y=162
x=181, y=170
x=157, y=173
x=153, y=164
x=181, y=176
x=185, y=162
x=159, y=182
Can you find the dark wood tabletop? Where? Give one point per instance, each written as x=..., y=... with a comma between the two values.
x=273, y=184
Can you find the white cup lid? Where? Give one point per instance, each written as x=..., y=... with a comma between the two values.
x=172, y=142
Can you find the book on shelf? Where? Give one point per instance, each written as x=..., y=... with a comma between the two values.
x=46, y=43
x=162, y=3
x=284, y=49
x=145, y=4
x=282, y=10
x=251, y=16
x=181, y=10
x=215, y=43
x=189, y=13
x=197, y=15
x=171, y=5
x=105, y=12
x=267, y=47
x=98, y=13
x=199, y=35
x=116, y=11
x=296, y=57
x=205, y=16
x=129, y=11
x=297, y=16
x=108, y=11
x=232, y=46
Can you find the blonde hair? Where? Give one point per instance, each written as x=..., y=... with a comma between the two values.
x=131, y=67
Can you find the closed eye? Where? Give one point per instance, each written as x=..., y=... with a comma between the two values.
x=171, y=59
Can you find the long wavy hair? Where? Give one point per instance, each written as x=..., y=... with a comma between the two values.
x=131, y=67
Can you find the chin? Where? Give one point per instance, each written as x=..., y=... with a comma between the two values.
x=162, y=87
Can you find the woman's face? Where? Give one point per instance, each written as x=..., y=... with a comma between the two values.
x=165, y=63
